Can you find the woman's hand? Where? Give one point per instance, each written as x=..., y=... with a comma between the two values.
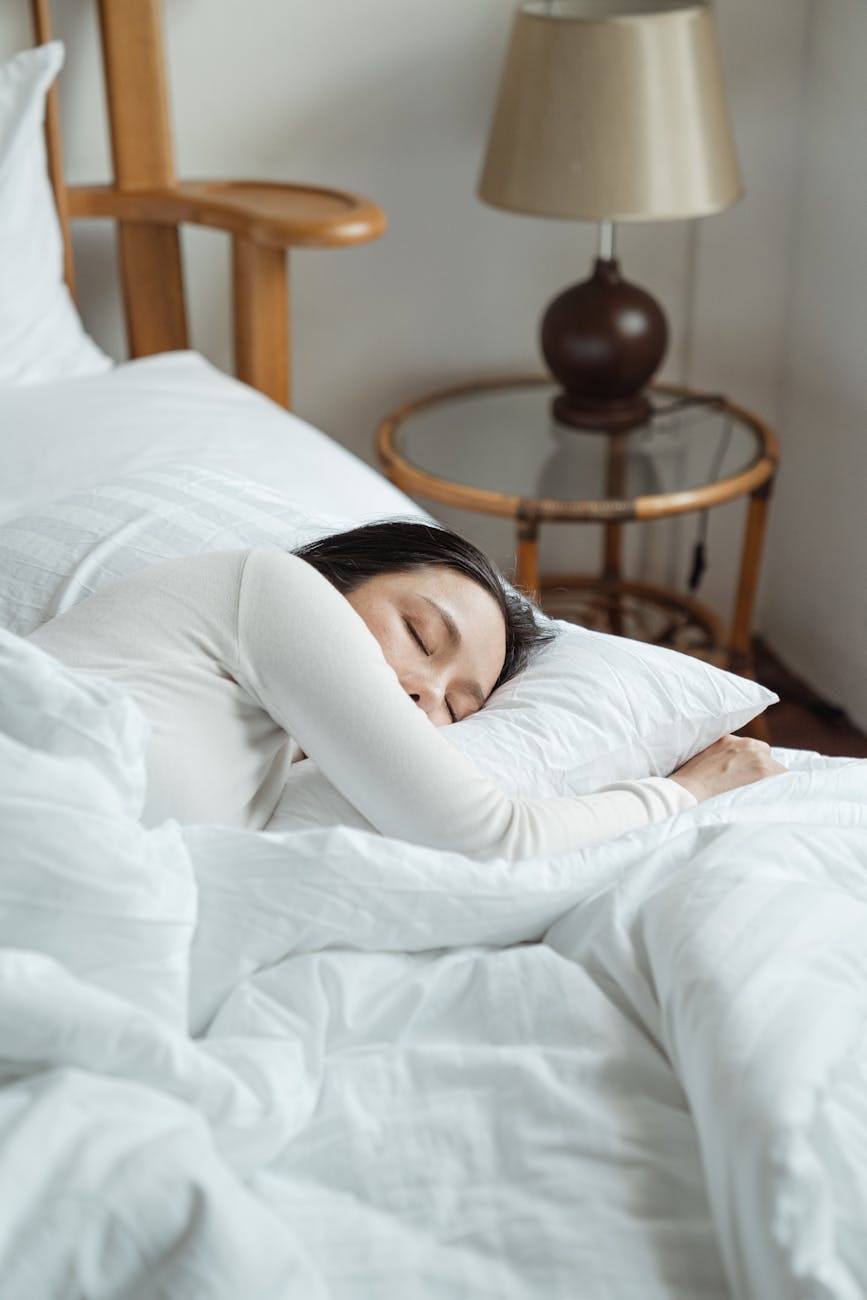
x=731, y=762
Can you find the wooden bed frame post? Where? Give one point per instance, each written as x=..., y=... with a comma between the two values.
x=141, y=145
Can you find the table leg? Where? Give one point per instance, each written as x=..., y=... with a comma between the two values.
x=528, y=555
x=740, y=640
x=612, y=555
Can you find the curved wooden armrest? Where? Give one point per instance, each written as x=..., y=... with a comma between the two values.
x=264, y=219
x=266, y=212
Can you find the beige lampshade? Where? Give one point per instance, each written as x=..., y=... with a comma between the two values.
x=612, y=112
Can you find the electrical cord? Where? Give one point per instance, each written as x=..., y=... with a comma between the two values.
x=699, y=564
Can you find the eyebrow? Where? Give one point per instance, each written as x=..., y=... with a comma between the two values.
x=454, y=635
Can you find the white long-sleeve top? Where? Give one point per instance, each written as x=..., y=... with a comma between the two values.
x=244, y=661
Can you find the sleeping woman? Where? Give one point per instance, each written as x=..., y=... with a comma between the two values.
x=354, y=651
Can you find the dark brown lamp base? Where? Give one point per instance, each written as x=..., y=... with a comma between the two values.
x=604, y=339
x=604, y=417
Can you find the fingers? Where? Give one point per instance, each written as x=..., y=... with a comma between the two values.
x=731, y=762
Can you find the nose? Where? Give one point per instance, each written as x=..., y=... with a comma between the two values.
x=428, y=693
x=429, y=700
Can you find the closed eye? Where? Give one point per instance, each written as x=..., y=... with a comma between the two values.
x=452, y=715
x=415, y=636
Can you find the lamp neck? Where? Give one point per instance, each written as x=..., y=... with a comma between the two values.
x=606, y=247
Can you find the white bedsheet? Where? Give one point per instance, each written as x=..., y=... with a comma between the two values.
x=637, y=1071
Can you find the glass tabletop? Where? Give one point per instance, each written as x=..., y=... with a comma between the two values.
x=503, y=439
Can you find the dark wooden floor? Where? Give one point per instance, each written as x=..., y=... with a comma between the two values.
x=804, y=719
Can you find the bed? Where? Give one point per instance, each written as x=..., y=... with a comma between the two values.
x=315, y=1062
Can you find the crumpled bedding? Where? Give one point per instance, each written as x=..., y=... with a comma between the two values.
x=322, y=1063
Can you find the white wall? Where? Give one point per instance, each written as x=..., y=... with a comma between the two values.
x=816, y=590
x=392, y=98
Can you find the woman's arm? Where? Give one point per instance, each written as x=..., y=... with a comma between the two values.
x=312, y=664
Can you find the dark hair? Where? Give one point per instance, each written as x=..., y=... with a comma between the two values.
x=396, y=546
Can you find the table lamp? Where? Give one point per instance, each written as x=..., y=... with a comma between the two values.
x=609, y=111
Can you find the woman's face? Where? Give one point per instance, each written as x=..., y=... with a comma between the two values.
x=442, y=633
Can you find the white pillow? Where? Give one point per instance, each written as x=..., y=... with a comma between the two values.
x=41, y=336
x=590, y=709
x=594, y=708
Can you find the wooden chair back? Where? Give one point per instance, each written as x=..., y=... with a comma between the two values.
x=148, y=202
x=142, y=158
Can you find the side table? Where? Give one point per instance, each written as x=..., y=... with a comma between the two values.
x=492, y=446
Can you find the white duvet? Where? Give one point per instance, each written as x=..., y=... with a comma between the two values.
x=636, y=1071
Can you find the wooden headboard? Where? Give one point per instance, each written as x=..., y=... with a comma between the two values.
x=264, y=219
